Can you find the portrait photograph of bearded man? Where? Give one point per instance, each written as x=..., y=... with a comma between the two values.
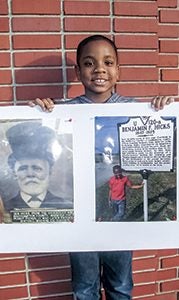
x=39, y=168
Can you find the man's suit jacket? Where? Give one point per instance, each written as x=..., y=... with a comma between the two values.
x=50, y=201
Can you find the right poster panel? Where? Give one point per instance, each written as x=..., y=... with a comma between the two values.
x=135, y=164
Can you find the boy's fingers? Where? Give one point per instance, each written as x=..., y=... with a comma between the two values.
x=31, y=103
x=160, y=101
x=49, y=104
x=49, y=101
x=157, y=102
x=46, y=104
x=170, y=100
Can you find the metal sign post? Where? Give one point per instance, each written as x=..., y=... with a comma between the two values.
x=145, y=174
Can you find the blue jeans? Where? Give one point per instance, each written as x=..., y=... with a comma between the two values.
x=112, y=269
x=119, y=208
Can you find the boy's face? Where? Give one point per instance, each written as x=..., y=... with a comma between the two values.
x=98, y=70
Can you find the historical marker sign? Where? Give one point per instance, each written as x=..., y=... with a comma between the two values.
x=147, y=143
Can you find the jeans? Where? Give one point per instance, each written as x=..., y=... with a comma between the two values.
x=119, y=208
x=112, y=270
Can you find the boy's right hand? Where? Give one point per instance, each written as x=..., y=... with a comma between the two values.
x=45, y=104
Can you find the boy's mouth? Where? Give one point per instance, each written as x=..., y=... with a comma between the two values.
x=99, y=81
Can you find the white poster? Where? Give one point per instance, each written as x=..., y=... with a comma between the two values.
x=59, y=173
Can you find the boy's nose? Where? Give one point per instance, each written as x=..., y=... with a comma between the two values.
x=99, y=68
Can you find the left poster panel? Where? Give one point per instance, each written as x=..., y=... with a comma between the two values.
x=36, y=174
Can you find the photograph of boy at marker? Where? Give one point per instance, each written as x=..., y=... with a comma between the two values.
x=117, y=193
x=145, y=150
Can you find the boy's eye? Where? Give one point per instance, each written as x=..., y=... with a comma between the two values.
x=109, y=62
x=88, y=63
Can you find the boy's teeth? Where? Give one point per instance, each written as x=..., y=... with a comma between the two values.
x=100, y=80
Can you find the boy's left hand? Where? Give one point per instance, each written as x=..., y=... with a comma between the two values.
x=160, y=101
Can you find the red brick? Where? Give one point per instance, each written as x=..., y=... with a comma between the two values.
x=169, y=46
x=36, y=24
x=4, y=24
x=167, y=3
x=48, y=255
x=168, y=31
x=136, y=41
x=13, y=293
x=138, y=57
x=4, y=42
x=167, y=252
x=72, y=40
x=138, y=74
x=36, y=41
x=147, y=89
x=71, y=75
x=145, y=289
x=11, y=264
x=3, y=7
x=144, y=277
x=145, y=264
x=138, y=89
x=49, y=261
x=36, y=7
x=170, y=262
x=172, y=285
x=168, y=296
x=71, y=58
x=75, y=90
x=38, y=76
x=135, y=25
x=64, y=297
x=12, y=279
x=50, y=288
x=87, y=24
x=168, y=89
x=170, y=75
x=30, y=93
x=124, y=8
x=4, y=59
x=37, y=59
x=49, y=275
x=169, y=16
x=166, y=274
x=5, y=77
x=86, y=8
x=144, y=253
x=10, y=255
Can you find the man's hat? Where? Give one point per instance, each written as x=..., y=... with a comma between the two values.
x=30, y=140
x=117, y=169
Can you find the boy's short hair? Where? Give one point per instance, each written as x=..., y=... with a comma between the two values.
x=96, y=37
x=117, y=169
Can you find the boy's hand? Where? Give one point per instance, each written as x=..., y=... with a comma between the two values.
x=160, y=101
x=45, y=104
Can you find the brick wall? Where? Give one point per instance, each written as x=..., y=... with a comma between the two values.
x=38, y=39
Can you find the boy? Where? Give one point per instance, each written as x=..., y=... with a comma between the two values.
x=117, y=196
x=97, y=68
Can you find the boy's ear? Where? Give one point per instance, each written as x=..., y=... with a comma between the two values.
x=77, y=71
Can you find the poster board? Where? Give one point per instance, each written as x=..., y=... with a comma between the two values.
x=89, y=169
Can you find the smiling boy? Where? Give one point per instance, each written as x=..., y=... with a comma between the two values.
x=98, y=70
